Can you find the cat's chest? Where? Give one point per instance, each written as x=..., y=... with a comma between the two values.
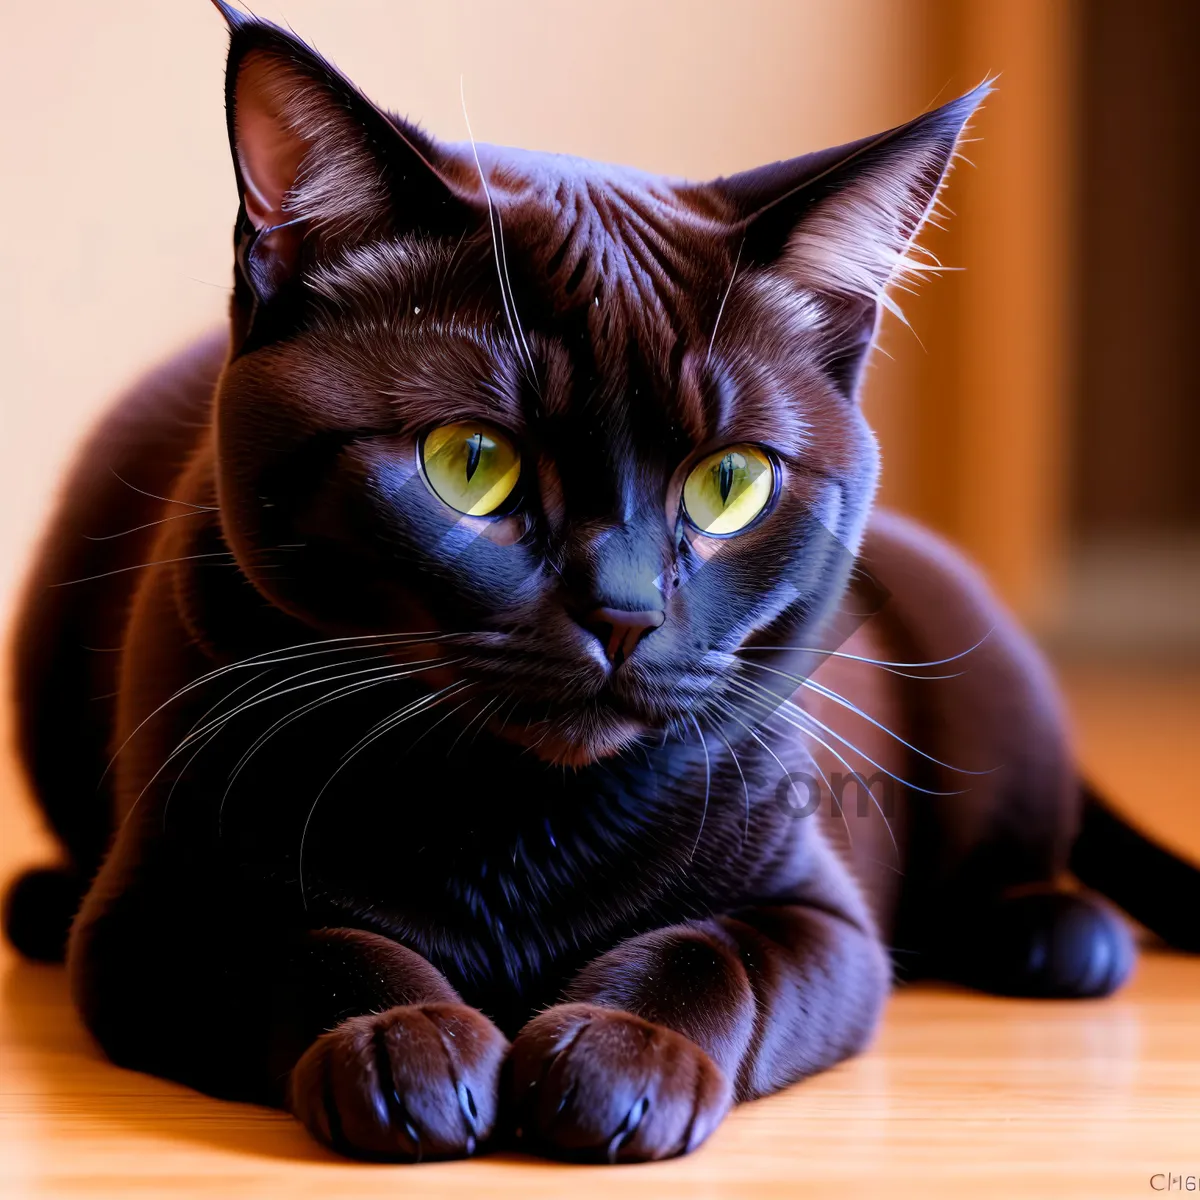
x=510, y=916
x=507, y=875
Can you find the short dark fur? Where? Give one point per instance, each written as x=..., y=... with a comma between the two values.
x=584, y=855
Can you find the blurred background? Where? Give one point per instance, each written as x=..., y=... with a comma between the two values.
x=1042, y=411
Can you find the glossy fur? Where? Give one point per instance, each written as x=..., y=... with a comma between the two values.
x=385, y=837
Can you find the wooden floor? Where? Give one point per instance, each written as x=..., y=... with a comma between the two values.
x=961, y=1096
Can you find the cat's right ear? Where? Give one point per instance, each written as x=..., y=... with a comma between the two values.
x=318, y=166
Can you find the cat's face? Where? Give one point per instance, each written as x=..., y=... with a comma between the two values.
x=589, y=428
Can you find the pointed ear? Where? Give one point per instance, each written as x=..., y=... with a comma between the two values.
x=318, y=165
x=842, y=224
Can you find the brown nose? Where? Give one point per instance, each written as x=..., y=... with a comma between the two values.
x=620, y=631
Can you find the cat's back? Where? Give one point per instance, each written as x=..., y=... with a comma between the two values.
x=72, y=616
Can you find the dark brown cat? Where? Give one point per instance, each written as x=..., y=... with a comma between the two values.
x=468, y=598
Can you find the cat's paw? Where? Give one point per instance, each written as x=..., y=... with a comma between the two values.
x=595, y=1083
x=415, y=1082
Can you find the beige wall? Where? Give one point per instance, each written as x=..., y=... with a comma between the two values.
x=117, y=199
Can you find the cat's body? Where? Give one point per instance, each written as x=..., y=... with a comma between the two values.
x=327, y=822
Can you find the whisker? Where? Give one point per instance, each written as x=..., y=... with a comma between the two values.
x=446, y=715
x=386, y=674
x=362, y=745
x=875, y=662
x=821, y=690
x=162, y=562
x=108, y=537
x=707, y=784
x=800, y=712
x=386, y=724
x=724, y=298
x=482, y=712
x=164, y=499
x=730, y=711
x=514, y=323
x=265, y=658
x=204, y=742
x=182, y=772
x=350, y=689
x=833, y=799
x=276, y=691
x=508, y=715
x=214, y=726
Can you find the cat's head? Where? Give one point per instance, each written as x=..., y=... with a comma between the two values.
x=598, y=426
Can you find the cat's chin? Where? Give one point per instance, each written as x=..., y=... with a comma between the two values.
x=575, y=743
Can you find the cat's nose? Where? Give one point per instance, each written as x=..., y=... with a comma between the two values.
x=619, y=630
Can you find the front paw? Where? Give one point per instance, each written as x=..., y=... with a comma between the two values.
x=596, y=1083
x=417, y=1081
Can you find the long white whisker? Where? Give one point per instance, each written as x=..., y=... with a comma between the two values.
x=164, y=499
x=707, y=785
x=350, y=689
x=280, y=687
x=446, y=715
x=875, y=662
x=108, y=537
x=821, y=690
x=482, y=712
x=362, y=745
x=204, y=741
x=721, y=309
x=800, y=712
x=389, y=722
x=275, y=692
x=182, y=772
x=731, y=712
x=832, y=798
x=264, y=658
x=161, y=562
x=215, y=726
x=514, y=324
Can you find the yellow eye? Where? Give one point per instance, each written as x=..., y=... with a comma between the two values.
x=473, y=467
x=728, y=489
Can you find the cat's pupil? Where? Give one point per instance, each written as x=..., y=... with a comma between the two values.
x=474, y=451
x=725, y=477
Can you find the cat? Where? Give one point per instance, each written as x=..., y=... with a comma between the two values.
x=476, y=697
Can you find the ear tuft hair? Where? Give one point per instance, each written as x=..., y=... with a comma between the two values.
x=862, y=239
x=839, y=227
x=234, y=17
x=303, y=156
x=319, y=167
x=844, y=222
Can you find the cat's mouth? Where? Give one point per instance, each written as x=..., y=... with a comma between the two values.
x=577, y=735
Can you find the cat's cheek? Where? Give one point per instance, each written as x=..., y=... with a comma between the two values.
x=706, y=548
x=503, y=531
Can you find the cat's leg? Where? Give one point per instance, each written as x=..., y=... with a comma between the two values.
x=357, y=1035
x=418, y=1079
x=660, y=1035
x=1038, y=941
x=986, y=844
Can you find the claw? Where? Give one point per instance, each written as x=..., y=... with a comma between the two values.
x=628, y=1128
x=397, y=1109
x=470, y=1112
x=566, y=1098
x=466, y=1101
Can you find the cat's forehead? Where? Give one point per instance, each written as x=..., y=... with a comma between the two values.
x=638, y=262
x=651, y=247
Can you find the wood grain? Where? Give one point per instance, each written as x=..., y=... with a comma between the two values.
x=962, y=1095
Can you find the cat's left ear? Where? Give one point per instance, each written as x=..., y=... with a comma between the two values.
x=841, y=225
x=318, y=165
